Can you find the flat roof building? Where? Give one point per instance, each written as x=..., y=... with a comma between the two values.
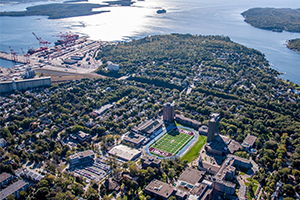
x=151, y=161
x=14, y=189
x=249, y=142
x=134, y=138
x=83, y=137
x=188, y=121
x=125, y=153
x=148, y=127
x=191, y=176
x=159, y=189
x=32, y=175
x=82, y=158
x=5, y=178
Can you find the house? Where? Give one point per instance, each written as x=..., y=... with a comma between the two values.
x=159, y=189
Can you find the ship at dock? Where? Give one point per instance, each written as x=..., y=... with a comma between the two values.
x=66, y=38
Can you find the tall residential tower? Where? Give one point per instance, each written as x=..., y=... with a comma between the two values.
x=168, y=112
x=213, y=126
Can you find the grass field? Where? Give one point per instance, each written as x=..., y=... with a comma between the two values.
x=172, y=141
x=193, y=153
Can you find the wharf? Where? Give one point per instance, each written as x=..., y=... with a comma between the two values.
x=8, y=56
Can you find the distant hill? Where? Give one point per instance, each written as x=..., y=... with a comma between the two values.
x=56, y=11
x=294, y=44
x=65, y=10
x=274, y=19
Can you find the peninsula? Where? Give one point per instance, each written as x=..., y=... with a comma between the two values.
x=294, y=45
x=274, y=19
x=64, y=10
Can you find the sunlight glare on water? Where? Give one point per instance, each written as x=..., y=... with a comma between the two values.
x=118, y=24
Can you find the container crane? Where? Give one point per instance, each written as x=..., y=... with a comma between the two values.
x=26, y=57
x=41, y=40
x=13, y=55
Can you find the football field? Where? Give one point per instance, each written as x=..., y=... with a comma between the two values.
x=171, y=142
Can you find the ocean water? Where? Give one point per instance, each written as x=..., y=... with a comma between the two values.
x=201, y=17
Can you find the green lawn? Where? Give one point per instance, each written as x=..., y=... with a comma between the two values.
x=193, y=153
x=172, y=141
x=254, y=184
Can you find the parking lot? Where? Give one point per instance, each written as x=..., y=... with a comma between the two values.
x=98, y=171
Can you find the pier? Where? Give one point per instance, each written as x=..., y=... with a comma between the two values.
x=13, y=58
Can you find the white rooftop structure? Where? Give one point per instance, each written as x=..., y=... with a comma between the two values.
x=125, y=153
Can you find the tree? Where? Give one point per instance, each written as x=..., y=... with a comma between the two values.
x=41, y=193
x=172, y=198
x=11, y=197
x=23, y=194
x=288, y=189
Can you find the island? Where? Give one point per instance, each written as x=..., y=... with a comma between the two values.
x=65, y=10
x=294, y=44
x=274, y=19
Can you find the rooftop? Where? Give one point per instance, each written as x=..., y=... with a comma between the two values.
x=206, y=165
x=249, y=140
x=124, y=152
x=82, y=134
x=234, y=146
x=12, y=188
x=4, y=176
x=134, y=138
x=188, y=119
x=82, y=154
x=199, y=189
x=160, y=188
x=32, y=174
x=191, y=176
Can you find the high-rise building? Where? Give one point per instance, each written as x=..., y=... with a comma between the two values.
x=168, y=112
x=213, y=126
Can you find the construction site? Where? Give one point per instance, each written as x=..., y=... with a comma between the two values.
x=71, y=57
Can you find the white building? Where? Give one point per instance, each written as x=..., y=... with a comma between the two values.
x=112, y=67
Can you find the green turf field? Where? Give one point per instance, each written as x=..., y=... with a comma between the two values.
x=172, y=141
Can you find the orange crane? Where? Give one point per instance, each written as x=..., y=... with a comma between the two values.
x=13, y=55
x=41, y=40
x=26, y=57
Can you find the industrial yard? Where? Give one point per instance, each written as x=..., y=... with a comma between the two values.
x=71, y=57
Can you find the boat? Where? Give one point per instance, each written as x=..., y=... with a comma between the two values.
x=31, y=50
x=161, y=11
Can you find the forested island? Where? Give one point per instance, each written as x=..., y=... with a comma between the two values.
x=64, y=10
x=39, y=125
x=274, y=19
x=294, y=45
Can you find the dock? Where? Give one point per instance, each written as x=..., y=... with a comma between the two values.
x=10, y=57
